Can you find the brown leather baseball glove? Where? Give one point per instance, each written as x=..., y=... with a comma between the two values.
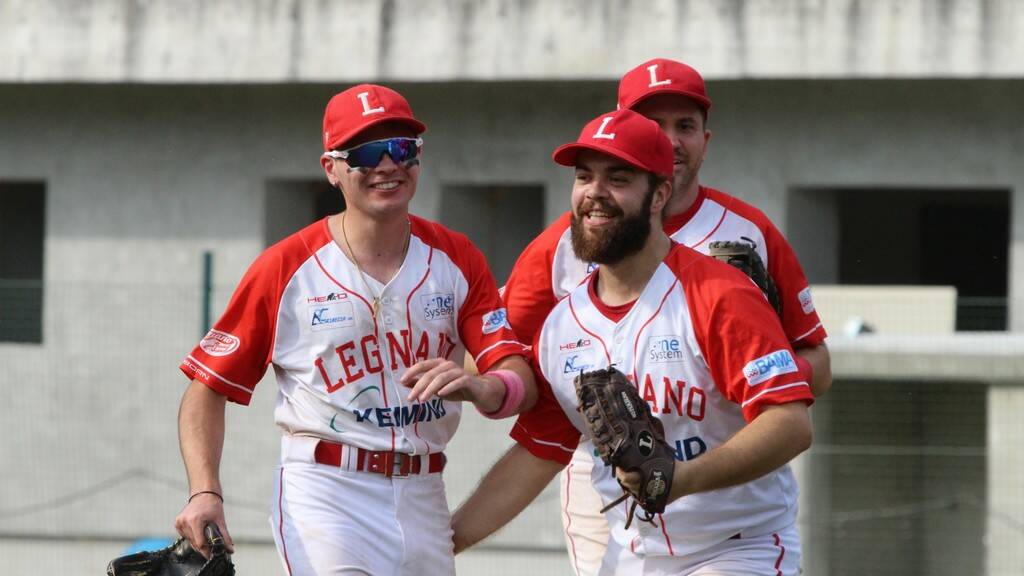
x=628, y=437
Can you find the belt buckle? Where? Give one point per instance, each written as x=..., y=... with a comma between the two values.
x=401, y=465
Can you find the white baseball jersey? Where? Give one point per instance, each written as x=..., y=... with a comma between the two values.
x=303, y=307
x=548, y=270
x=707, y=354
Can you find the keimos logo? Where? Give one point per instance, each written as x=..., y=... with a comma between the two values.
x=438, y=306
x=331, y=316
x=769, y=366
x=665, y=349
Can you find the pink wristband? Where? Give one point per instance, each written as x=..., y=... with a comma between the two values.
x=805, y=368
x=514, y=392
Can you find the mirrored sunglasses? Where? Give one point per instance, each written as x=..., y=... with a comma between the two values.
x=369, y=155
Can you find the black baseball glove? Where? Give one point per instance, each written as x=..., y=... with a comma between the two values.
x=743, y=255
x=178, y=559
x=627, y=436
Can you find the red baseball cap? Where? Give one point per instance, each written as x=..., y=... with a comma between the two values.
x=356, y=109
x=662, y=76
x=625, y=135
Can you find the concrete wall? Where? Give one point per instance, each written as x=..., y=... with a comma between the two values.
x=432, y=40
x=142, y=179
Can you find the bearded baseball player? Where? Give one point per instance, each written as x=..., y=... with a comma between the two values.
x=673, y=95
x=365, y=316
x=704, y=350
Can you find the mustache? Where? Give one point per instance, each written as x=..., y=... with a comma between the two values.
x=590, y=206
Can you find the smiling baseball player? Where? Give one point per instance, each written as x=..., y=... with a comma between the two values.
x=673, y=95
x=365, y=316
x=707, y=354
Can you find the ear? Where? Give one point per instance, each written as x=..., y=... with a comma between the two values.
x=662, y=194
x=327, y=163
x=707, y=140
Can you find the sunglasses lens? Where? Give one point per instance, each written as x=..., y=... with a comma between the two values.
x=369, y=155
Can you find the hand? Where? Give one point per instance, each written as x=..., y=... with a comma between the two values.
x=204, y=509
x=630, y=481
x=451, y=382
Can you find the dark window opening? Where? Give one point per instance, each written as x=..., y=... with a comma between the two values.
x=291, y=205
x=22, y=232
x=500, y=220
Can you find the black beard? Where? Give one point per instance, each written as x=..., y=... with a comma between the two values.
x=610, y=246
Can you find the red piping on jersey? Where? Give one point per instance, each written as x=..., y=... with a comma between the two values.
x=665, y=532
x=280, y=522
x=568, y=523
x=408, y=323
x=725, y=212
x=782, y=552
x=679, y=221
x=572, y=309
x=636, y=343
x=376, y=331
x=349, y=290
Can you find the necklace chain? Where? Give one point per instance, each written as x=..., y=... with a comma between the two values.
x=355, y=260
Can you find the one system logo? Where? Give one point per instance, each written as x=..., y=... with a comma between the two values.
x=494, y=321
x=769, y=366
x=665, y=349
x=331, y=316
x=438, y=306
x=217, y=343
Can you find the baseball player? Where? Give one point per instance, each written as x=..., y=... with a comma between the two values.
x=674, y=95
x=365, y=316
x=707, y=354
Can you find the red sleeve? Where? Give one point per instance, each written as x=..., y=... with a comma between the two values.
x=528, y=294
x=750, y=358
x=799, y=318
x=233, y=356
x=545, y=430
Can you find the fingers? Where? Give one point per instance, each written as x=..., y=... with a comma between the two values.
x=191, y=522
x=434, y=376
x=629, y=480
x=418, y=369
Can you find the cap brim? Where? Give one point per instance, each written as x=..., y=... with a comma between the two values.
x=701, y=101
x=566, y=155
x=417, y=126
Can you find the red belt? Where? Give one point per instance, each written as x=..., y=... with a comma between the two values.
x=396, y=464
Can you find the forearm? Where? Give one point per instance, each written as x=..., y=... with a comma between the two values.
x=821, y=365
x=774, y=438
x=496, y=390
x=508, y=488
x=201, y=436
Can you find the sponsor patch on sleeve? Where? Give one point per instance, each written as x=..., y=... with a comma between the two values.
x=769, y=366
x=494, y=321
x=217, y=343
x=805, y=300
